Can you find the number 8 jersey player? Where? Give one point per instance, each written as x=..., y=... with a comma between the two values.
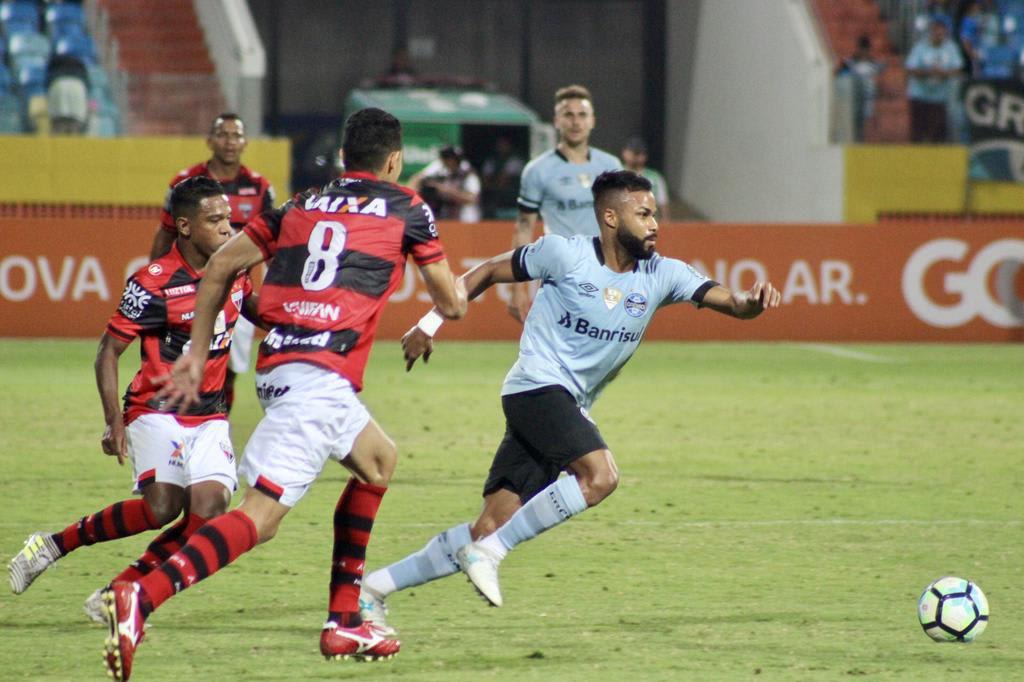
x=337, y=256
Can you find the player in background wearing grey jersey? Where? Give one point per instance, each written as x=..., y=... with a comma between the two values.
x=599, y=295
x=556, y=184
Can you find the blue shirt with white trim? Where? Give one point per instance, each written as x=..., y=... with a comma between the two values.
x=560, y=191
x=587, y=320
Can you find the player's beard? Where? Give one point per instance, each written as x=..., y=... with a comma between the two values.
x=634, y=245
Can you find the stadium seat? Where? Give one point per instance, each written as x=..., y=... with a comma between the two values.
x=79, y=46
x=28, y=45
x=19, y=16
x=5, y=80
x=1000, y=62
x=64, y=19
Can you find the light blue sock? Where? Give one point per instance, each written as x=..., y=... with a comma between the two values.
x=435, y=560
x=556, y=504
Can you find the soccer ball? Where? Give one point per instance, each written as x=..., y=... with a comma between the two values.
x=953, y=610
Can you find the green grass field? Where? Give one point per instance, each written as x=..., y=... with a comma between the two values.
x=780, y=509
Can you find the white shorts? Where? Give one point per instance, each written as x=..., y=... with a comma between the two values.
x=164, y=451
x=311, y=415
x=241, y=346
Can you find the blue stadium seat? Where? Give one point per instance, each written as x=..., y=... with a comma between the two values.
x=80, y=46
x=19, y=16
x=1000, y=62
x=28, y=45
x=64, y=19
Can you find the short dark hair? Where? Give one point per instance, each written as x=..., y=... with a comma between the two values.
x=618, y=180
x=572, y=92
x=370, y=135
x=187, y=194
x=221, y=118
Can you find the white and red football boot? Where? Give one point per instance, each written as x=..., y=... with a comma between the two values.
x=362, y=643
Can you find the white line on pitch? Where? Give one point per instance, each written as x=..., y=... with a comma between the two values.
x=829, y=522
x=793, y=522
x=842, y=352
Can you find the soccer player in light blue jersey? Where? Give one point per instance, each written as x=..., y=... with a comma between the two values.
x=598, y=296
x=556, y=184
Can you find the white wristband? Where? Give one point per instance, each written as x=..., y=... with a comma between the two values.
x=430, y=323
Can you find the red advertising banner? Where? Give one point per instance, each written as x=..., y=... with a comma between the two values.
x=901, y=282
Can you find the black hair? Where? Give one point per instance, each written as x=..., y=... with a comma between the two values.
x=226, y=116
x=187, y=194
x=370, y=135
x=618, y=180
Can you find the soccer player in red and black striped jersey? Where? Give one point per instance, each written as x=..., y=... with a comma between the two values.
x=249, y=194
x=337, y=256
x=181, y=462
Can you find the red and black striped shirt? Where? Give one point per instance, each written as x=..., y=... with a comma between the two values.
x=338, y=255
x=249, y=194
x=158, y=305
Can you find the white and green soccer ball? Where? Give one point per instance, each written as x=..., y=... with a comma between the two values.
x=953, y=610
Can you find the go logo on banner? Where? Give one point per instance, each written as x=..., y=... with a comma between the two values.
x=970, y=285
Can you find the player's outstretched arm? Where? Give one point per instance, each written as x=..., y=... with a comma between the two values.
x=519, y=303
x=743, y=305
x=114, y=441
x=418, y=341
x=447, y=292
x=181, y=387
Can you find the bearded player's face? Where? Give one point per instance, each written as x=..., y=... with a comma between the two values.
x=637, y=230
x=211, y=225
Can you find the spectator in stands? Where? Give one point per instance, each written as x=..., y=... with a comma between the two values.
x=970, y=37
x=634, y=158
x=450, y=185
x=500, y=179
x=941, y=10
x=933, y=69
x=67, y=95
x=864, y=70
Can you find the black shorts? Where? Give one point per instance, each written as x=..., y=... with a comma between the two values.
x=545, y=431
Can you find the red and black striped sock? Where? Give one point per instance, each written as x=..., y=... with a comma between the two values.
x=161, y=549
x=215, y=545
x=353, y=521
x=119, y=520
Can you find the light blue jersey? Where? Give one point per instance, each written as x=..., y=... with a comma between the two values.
x=560, y=191
x=588, y=320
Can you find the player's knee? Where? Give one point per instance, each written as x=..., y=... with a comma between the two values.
x=600, y=486
x=210, y=504
x=165, y=510
x=383, y=465
x=266, y=529
x=165, y=503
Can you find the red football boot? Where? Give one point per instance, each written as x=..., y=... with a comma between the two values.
x=362, y=643
x=125, y=623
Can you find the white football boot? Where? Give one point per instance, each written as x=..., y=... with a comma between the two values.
x=373, y=610
x=481, y=567
x=40, y=552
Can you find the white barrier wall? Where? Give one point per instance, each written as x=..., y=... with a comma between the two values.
x=749, y=96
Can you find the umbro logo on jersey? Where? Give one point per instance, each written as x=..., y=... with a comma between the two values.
x=588, y=289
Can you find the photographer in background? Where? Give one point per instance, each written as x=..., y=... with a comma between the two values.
x=450, y=186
